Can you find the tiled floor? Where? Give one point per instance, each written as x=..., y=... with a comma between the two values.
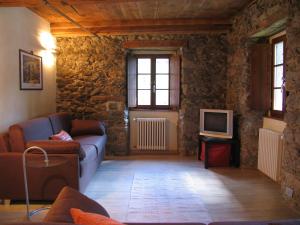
x=174, y=189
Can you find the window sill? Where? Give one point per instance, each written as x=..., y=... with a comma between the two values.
x=278, y=115
x=275, y=118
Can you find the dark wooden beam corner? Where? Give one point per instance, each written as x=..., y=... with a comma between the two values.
x=155, y=44
x=21, y=3
x=105, y=98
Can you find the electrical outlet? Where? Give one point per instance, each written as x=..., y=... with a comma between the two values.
x=289, y=192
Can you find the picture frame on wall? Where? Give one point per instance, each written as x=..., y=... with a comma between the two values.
x=31, y=71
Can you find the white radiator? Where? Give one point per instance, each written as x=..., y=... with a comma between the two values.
x=270, y=148
x=151, y=133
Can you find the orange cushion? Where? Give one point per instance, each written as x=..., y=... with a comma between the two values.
x=84, y=218
x=86, y=127
x=61, y=136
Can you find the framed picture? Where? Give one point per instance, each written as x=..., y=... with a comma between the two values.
x=31, y=71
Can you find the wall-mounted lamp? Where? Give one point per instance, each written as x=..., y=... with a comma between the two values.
x=48, y=42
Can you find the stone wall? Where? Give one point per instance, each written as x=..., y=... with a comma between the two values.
x=203, y=84
x=291, y=160
x=257, y=17
x=91, y=82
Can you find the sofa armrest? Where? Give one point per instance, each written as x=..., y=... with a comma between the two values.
x=58, y=147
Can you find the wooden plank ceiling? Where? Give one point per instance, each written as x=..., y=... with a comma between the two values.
x=135, y=16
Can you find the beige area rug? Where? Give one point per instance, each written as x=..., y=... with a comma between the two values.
x=148, y=195
x=165, y=198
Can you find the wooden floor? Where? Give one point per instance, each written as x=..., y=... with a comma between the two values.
x=174, y=189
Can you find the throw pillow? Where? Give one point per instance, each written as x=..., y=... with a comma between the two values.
x=86, y=127
x=61, y=136
x=84, y=218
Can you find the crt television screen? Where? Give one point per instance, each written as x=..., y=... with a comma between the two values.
x=216, y=122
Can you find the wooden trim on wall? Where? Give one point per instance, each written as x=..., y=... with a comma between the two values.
x=260, y=82
x=142, y=44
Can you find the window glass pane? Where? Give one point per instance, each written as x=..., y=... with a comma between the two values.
x=162, y=65
x=162, y=97
x=278, y=75
x=144, y=97
x=278, y=53
x=144, y=66
x=144, y=82
x=162, y=81
x=277, y=99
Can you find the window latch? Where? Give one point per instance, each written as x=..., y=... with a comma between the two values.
x=153, y=88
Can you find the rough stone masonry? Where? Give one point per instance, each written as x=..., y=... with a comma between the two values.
x=91, y=82
x=257, y=17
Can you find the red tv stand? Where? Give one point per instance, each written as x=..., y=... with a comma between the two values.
x=234, y=153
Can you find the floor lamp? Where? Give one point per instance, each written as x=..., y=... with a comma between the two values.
x=28, y=213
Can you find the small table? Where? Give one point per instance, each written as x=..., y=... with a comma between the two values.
x=235, y=149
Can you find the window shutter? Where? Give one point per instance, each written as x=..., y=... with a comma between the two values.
x=131, y=81
x=175, y=81
x=260, y=90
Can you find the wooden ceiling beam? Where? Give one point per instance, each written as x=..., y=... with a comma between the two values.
x=145, y=26
x=77, y=33
x=79, y=2
x=36, y=3
x=143, y=29
x=145, y=22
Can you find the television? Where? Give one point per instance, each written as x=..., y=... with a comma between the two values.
x=216, y=123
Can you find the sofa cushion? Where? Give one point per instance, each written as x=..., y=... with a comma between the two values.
x=85, y=218
x=97, y=141
x=61, y=136
x=60, y=121
x=31, y=130
x=86, y=127
x=70, y=198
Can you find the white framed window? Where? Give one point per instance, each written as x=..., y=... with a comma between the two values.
x=278, y=76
